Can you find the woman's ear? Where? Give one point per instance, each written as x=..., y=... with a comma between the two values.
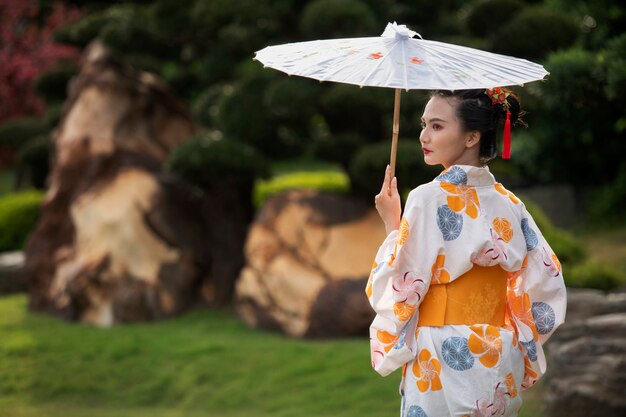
x=472, y=139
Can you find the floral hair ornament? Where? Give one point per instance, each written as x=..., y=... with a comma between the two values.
x=499, y=96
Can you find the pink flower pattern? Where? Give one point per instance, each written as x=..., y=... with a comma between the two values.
x=408, y=288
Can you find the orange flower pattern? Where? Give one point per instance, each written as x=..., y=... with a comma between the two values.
x=403, y=310
x=500, y=188
x=520, y=307
x=503, y=228
x=463, y=198
x=509, y=381
x=403, y=234
x=485, y=341
x=440, y=274
x=427, y=369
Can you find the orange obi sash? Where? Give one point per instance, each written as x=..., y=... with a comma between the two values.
x=476, y=297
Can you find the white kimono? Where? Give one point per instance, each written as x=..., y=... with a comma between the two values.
x=464, y=217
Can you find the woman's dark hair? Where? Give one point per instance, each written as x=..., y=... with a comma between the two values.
x=477, y=113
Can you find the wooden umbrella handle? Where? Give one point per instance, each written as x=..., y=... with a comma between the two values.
x=396, y=132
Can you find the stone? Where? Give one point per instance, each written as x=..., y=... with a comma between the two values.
x=587, y=362
x=118, y=239
x=308, y=257
x=11, y=264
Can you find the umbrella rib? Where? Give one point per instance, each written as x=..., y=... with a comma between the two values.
x=406, y=75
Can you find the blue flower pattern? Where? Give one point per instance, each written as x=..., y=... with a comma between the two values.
x=416, y=411
x=449, y=222
x=456, y=354
x=454, y=175
x=531, y=348
x=544, y=317
x=401, y=339
x=529, y=235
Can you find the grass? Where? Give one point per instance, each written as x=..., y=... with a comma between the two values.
x=205, y=363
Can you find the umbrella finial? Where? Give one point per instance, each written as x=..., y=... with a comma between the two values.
x=394, y=30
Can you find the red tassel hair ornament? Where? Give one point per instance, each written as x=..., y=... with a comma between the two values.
x=506, y=145
x=499, y=97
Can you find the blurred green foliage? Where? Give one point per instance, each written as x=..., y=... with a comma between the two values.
x=19, y=213
x=205, y=161
x=332, y=181
x=596, y=275
x=15, y=134
x=368, y=167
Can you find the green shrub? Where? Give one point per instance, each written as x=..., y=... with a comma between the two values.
x=35, y=156
x=606, y=205
x=615, y=60
x=348, y=108
x=535, y=32
x=52, y=84
x=337, y=148
x=18, y=216
x=574, y=96
x=594, y=275
x=15, y=134
x=488, y=16
x=332, y=181
x=324, y=19
x=204, y=161
x=367, y=168
x=54, y=113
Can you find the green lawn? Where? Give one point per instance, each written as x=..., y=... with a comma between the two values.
x=205, y=363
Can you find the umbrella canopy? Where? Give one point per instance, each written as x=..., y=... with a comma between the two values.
x=399, y=60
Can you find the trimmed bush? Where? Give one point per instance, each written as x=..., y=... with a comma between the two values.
x=325, y=19
x=204, y=162
x=367, y=168
x=348, y=108
x=615, y=61
x=15, y=134
x=52, y=85
x=488, y=16
x=594, y=275
x=338, y=148
x=35, y=155
x=18, y=216
x=606, y=205
x=332, y=181
x=535, y=32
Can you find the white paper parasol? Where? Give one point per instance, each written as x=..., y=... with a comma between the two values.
x=399, y=60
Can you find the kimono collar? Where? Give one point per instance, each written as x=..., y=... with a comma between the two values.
x=467, y=175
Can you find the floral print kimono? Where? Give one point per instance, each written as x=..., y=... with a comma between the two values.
x=461, y=219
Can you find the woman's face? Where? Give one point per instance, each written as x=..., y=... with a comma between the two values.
x=443, y=139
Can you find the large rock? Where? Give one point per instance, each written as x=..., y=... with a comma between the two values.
x=11, y=265
x=308, y=257
x=588, y=358
x=118, y=240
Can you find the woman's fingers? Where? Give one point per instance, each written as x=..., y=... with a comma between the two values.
x=385, y=186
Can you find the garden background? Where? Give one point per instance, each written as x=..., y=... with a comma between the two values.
x=280, y=132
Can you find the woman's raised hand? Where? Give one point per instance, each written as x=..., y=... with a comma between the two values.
x=388, y=202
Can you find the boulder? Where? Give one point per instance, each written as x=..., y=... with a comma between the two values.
x=308, y=257
x=588, y=358
x=118, y=240
x=11, y=280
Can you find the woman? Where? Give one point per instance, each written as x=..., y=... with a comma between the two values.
x=465, y=288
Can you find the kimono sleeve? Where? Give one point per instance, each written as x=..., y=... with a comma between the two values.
x=397, y=285
x=537, y=299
